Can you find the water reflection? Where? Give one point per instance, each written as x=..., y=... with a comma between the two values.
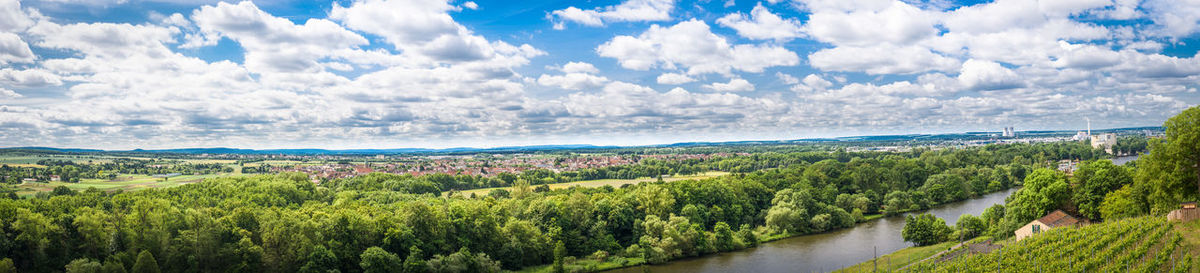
x=822, y=252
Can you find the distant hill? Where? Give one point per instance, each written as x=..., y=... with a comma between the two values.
x=537, y=148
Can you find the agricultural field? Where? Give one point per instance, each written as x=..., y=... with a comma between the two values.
x=594, y=183
x=122, y=182
x=1145, y=244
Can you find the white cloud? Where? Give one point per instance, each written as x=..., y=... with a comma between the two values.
x=579, y=67
x=761, y=24
x=1174, y=18
x=572, y=81
x=420, y=29
x=674, y=79
x=29, y=78
x=5, y=93
x=898, y=23
x=275, y=44
x=881, y=59
x=734, y=85
x=691, y=45
x=628, y=11
x=12, y=19
x=14, y=50
x=788, y=79
x=987, y=75
x=470, y=5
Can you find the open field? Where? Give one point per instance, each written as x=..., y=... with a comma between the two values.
x=123, y=182
x=597, y=183
x=898, y=259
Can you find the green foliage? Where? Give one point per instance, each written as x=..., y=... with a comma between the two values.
x=1045, y=190
x=113, y=267
x=286, y=223
x=1122, y=203
x=83, y=265
x=377, y=260
x=145, y=263
x=560, y=252
x=6, y=266
x=1093, y=181
x=320, y=260
x=970, y=226
x=925, y=229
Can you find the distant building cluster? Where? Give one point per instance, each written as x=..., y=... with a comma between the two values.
x=473, y=165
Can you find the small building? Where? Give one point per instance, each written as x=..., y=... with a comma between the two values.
x=1055, y=219
x=1187, y=212
x=55, y=178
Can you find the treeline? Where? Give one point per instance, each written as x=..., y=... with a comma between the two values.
x=284, y=223
x=1098, y=190
x=69, y=171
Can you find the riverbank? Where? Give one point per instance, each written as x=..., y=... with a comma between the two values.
x=812, y=252
x=895, y=260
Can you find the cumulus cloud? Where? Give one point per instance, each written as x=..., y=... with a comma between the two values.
x=275, y=44
x=691, y=45
x=734, y=85
x=761, y=24
x=674, y=79
x=987, y=75
x=572, y=81
x=5, y=93
x=402, y=73
x=628, y=11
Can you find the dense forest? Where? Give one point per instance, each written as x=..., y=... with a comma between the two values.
x=384, y=223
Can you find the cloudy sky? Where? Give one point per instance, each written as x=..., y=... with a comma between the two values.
x=120, y=74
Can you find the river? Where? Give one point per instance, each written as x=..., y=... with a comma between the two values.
x=822, y=252
x=1121, y=160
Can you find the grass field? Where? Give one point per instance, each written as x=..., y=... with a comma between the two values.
x=596, y=183
x=122, y=182
x=898, y=259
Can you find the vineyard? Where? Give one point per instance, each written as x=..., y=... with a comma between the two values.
x=1146, y=244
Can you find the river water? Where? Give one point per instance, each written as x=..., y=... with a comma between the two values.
x=822, y=252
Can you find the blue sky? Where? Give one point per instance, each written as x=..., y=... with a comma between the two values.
x=119, y=74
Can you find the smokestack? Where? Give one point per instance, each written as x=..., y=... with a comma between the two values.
x=1089, y=121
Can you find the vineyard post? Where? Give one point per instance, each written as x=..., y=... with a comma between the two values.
x=875, y=258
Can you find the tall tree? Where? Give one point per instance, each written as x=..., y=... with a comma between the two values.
x=145, y=263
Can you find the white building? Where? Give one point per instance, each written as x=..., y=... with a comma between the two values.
x=1009, y=132
x=1105, y=141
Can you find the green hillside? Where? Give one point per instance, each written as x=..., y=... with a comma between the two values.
x=1144, y=244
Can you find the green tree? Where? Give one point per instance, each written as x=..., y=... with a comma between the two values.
x=6, y=266
x=1170, y=173
x=415, y=262
x=925, y=229
x=560, y=252
x=320, y=260
x=113, y=266
x=377, y=260
x=145, y=263
x=83, y=265
x=970, y=226
x=1122, y=203
x=1093, y=181
x=1045, y=190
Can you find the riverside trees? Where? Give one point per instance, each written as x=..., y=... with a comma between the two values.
x=285, y=223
